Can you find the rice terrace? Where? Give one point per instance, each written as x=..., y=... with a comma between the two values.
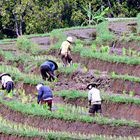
x=107, y=53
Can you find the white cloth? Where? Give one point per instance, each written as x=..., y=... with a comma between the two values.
x=65, y=48
x=39, y=86
x=6, y=79
x=94, y=96
x=48, y=99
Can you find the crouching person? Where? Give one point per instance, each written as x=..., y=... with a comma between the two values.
x=45, y=95
x=7, y=82
x=47, y=70
x=94, y=99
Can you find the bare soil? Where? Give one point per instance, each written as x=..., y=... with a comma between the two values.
x=119, y=68
x=128, y=111
x=61, y=125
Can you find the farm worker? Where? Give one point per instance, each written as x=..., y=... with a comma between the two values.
x=94, y=99
x=7, y=82
x=65, y=51
x=47, y=70
x=45, y=95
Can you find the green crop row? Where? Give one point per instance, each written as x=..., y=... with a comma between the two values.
x=89, y=52
x=18, y=129
x=18, y=76
x=73, y=94
x=125, y=77
x=110, y=58
x=36, y=110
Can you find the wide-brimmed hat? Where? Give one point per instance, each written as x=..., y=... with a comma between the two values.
x=70, y=39
x=3, y=74
x=91, y=85
x=56, y=66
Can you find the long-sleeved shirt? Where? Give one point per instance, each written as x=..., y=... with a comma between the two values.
x=5, y=79
x=50, y=64
x=65, y=48
x=94, y=96
x=44, y=93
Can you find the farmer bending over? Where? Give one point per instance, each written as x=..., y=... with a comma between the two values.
x=45, y=95
x=47, y=70
x=65, y=52
x=7, y=82
x=94, y=99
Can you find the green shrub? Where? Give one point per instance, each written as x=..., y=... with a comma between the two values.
x=24, y=44
x=103, y=33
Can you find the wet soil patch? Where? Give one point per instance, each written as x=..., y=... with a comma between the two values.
x=61, y=125
x=128, y=111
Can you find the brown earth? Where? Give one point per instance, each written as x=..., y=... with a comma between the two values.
x=12, y=137
x=128, y=111
x=134, y=45
x=69, y=126
x=119, y=68
x=119, y=86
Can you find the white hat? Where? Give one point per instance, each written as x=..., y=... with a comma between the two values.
x=39, y=86
x=69, y=38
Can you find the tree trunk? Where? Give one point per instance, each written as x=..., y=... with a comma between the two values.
x=16, y=25
x=20, y=28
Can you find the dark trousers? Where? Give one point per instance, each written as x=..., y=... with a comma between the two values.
x=66, y=59
x=48, y=102
x=47, y=73
x=9, y=86
x=95, y=108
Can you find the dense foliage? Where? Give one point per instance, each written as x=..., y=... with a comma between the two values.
x=19, y=17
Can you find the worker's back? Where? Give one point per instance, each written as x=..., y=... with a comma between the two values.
x=65, y=47
x=6, y=79
x=49, y=64
x=94, y=95
x=46, y=92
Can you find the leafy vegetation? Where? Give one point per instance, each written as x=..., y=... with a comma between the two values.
x=74, y=94
x=26, y=45
x=36, y=110
x=28, y=16
x=125, y=77
x=103, y=33
x=24, y=130
x=111, y=58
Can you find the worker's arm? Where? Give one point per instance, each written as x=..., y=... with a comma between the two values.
x=59, y=51
x=40, y=93
x=89, y=98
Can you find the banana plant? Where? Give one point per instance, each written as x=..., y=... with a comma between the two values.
x=94, y=17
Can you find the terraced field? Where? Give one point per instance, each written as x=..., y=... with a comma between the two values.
x=116, y=66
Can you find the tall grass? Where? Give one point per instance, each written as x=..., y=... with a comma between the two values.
x=24, y=44
x=103, y=33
